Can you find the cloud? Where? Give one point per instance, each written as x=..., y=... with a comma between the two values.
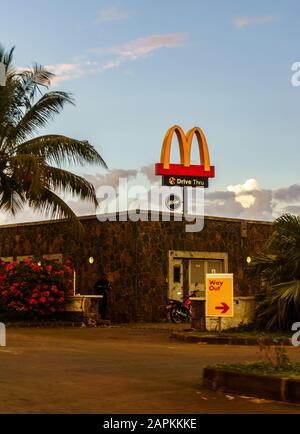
x=65, y=71
x=133, y=50
x=263, y=208
x=246, y=20
x=289, y=194
x=243, y=203
x=73, y=71
x=142, y=47
x=292, y=209
x=250, y=201
x=249, y=185
x=26, y=215
x=138, y=48
x=243, y=192
x=113, y=13
x=111, y=178
x=246, y=200
x=223, y=203
x=62, y=71
x=149, y=172
x=112, y=64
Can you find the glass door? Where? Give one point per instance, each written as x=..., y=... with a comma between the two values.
x=198, y=268
x=197, y=276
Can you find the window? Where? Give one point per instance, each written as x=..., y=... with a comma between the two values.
x=214, y=266
x=176, y=274
x=57, y=257
x=21, y=259
x=7, y=259
x=197, y=272
x=198, y=268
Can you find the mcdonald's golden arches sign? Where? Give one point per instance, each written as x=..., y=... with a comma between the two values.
x=185, y=170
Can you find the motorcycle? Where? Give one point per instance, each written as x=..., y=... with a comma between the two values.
x=181, y=311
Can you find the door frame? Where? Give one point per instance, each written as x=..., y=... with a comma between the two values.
x=183, y=254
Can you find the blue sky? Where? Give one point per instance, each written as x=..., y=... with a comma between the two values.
x=137, y=67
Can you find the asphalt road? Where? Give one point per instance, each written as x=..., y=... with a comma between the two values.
x=117, y=370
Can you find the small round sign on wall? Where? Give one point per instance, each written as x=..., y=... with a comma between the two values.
x=173, y=202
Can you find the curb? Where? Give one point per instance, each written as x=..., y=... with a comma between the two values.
x=56, y=324
x=100, y=323
x=46, y=324
x=141, y=327
x=224, y=340
x=259, y=385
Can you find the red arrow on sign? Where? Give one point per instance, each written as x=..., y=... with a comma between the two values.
x=224, y=308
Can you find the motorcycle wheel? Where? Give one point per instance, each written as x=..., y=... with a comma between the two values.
x=175, y=316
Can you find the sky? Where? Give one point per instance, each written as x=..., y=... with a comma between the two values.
x=136, y=68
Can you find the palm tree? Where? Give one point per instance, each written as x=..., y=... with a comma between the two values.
x=279, y=269
x=31, y=166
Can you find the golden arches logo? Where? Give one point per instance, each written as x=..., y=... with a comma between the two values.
x=185, y=145
x=203, y=169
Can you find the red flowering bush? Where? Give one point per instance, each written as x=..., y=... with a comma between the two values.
x=36, y=286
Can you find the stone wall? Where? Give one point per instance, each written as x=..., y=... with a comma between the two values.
x=136, y=255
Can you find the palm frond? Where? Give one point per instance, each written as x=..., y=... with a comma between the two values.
x=28, y=171
x=51, y=204
x=286, y=233
x=64, y=181
x=11, y=196
x=40, y=114
x=60, y=149
x=280, y=306
x=6, y=56
x=279, y=269
x=10, y=109
x=270, y=268
x=32, y=79
x=27, y=163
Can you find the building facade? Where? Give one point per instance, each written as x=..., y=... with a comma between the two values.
x=147, y=261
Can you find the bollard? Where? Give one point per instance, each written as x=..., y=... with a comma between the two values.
x=198, y=315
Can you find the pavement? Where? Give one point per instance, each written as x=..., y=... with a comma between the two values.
x=118, y=370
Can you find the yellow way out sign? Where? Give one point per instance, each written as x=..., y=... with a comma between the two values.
x=219, y=295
